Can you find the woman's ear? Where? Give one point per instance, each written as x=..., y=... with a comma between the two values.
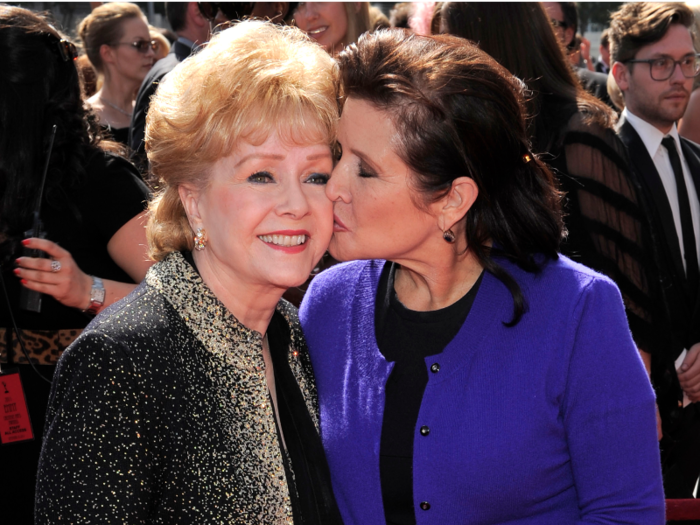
x=454, y=206
x=106, y=54
x=190, y=196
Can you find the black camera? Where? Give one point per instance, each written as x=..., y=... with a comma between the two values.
x=29, y=299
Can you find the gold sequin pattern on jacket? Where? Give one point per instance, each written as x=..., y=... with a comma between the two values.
x=160, y=413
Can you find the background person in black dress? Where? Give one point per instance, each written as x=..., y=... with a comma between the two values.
x=92, y=211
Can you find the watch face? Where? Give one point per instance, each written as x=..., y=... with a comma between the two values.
x=98, y=295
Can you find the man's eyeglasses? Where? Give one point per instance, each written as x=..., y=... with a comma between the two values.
x=231, y=10
x=142, y=46
x=663, y=68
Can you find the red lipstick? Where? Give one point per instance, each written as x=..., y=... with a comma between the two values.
x=297, y=248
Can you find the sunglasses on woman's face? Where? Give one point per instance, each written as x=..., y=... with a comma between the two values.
x=232, y=9
x=142, y=46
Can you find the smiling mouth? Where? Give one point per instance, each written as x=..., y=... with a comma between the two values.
x=317, y=30
x=283, y=240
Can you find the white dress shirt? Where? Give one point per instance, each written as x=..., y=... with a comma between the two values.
x=652, y=137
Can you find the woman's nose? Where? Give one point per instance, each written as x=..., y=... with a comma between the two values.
x=312, y=13
x=337, y=188
x=295, y=202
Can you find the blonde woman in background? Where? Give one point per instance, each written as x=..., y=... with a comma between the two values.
x=334, y=25
x=193, y=400
x=117, y=41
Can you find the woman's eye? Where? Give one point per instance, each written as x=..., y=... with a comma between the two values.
x=365, y=171
x=337, y=152
x=261, y=177
x=318, y=178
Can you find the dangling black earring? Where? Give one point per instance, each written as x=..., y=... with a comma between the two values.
x=449, y=236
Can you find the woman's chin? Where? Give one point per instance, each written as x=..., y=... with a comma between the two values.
x=285, y=282
x=341, y=252
x=336, y=251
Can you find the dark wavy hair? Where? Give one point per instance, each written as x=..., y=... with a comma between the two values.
x=39, y=87
x=459, y=113
x=639, y=24
x=519, y=36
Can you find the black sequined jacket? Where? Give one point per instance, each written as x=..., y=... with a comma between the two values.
x=160, y=413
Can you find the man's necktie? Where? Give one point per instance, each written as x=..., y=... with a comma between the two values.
x=691, y=256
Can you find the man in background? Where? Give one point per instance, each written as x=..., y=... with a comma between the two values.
x=654, y=64
x=192, y=30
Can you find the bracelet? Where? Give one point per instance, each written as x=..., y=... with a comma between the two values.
x=97, y=296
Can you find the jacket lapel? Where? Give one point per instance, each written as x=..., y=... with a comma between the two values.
x=299, y=360
x=644, y=167
x=691, y=152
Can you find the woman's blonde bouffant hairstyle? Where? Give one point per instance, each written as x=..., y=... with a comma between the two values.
x=251, y=80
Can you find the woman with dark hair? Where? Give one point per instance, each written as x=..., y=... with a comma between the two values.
x=607, y=230
x=91, y=210
x=466, y=372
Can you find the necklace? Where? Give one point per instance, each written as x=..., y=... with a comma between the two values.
x=120, y=110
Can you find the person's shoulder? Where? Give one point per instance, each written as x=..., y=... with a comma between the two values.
x=591, y=76
x=344, y=275
x=572, y=279
x=694, y=146
x=337, y=285
x=587, y=127
x=142, y=316
x=107, y=168
x=100, y=161
x=160, y=69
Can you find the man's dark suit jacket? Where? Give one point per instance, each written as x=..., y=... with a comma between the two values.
x=137, y=128
x=601, y=68
x=595, y=83
x=679, y=320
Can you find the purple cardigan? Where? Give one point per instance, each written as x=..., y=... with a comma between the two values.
x=549, y=422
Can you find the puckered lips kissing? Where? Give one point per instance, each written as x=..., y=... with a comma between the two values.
x=288, y=241
x=338, y=225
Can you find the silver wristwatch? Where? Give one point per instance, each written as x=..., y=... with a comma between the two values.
x=97, y=296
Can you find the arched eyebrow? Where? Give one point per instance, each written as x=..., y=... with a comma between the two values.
x=270, y=156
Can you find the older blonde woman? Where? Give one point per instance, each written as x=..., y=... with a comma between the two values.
x=192, y=401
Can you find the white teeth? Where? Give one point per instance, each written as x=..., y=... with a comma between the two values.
x=317, y=31
x=283, y=240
